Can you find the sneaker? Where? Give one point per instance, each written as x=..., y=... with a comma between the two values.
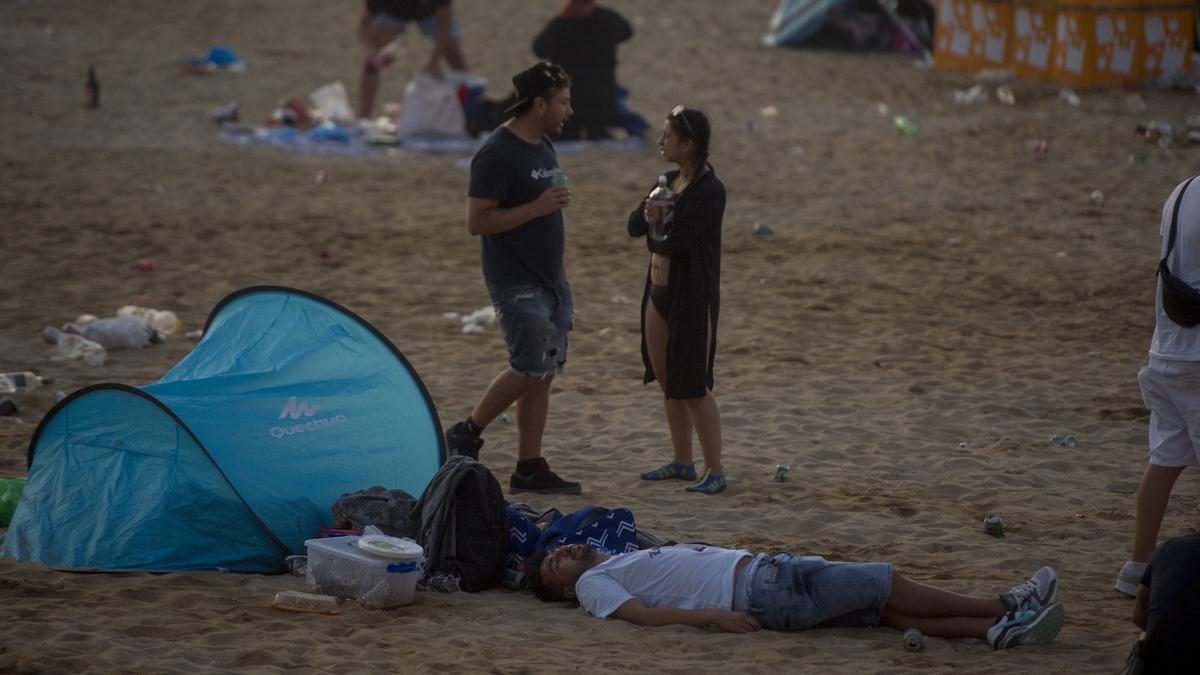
x=672, y=470
x=1027, y=627
x=1038, y=591
x=541, y=481
x=461, y=441
x=1130, y=577
x=708, y=484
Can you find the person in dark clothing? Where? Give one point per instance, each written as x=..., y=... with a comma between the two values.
x=1168, y=607
x=384, y=20
x=681, y=301
x=583, y=39
x=515, y=207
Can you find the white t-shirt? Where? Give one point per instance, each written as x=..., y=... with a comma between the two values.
x=1171, y=341
x=683, y=577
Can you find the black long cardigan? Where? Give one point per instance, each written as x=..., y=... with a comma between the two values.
x=694, y=243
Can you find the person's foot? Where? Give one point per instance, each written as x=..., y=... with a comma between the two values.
x=709, y=483
x=1130, y=577
x=672, y=470
x=1037, y=591
x=539, y=479
x=460, y=441
x=1027, y=627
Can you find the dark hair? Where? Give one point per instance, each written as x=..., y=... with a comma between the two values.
x=692, y=125
x=542, y=80
x=533, y=575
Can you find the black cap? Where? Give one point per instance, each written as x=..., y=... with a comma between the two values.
x=538, y=80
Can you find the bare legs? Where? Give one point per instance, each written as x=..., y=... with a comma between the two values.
x=375, y=38
x=683, y=415
x=938, y=613
x=532, y=396
x=1152, y=497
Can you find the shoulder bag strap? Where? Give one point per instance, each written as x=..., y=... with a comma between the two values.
x=1175, y=220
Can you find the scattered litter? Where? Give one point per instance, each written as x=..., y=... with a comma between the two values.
x=8, y=408
x=91, y=89
x=505, y=419
x=297, y=565
x=1095, y=355
x=1065, y=441
x=618, y=300
x=72, y=346
x=1041, y=148
x=299, y=601
x=762, y=230
x=144, y=265
x=451, y=316
x=993, y=525
x=1097, y=197
x=1004, y=94
x=230, y=112
x=763, y=281
x=954, y=241
x=904, y=125
x=326, y=252
x=976, y=94
x=1069, y=96
x=164, y=321
x=1163, y=133
x=330, y=102
x=883, y=109
x=194, y=335
x=1139, y=158
x=58, y=396
x=321, y=176
x=758, y=343
x=1060, y=254
x=477, y=321
x=964, y=444
x=750, y=126
x=770, y=111
x=780, y=470
x=913, y=640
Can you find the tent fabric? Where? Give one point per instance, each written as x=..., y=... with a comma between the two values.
x=236, y=455
x=851, y=24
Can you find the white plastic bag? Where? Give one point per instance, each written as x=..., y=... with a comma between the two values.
x=431, y=108
x=331, y=102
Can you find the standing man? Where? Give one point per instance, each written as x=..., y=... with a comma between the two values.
x=384, y=20
x=515, y=210
x=1169, y=384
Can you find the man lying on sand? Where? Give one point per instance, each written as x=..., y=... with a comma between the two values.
x=739, y=592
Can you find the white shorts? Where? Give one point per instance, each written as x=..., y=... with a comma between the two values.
x=1171, y=390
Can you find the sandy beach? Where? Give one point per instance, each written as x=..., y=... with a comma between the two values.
x=929, y=312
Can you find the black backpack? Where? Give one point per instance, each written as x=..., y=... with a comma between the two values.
x=463, y=525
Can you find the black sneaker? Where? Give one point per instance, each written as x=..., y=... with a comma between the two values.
x=460, y=441
x=541, y=481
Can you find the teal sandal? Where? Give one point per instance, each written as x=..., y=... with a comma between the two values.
x=708, y=484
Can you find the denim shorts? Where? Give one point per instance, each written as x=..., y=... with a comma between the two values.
x=535, y=321
x=787, y=592
x=428, y=25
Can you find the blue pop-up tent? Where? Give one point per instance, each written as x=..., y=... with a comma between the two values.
x=236, y=455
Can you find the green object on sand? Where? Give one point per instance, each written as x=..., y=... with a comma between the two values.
x=10, y=494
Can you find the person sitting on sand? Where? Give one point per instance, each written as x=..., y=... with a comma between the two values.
x=738, y=592
x=1168, y=607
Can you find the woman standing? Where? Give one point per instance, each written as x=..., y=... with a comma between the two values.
x=681, y=301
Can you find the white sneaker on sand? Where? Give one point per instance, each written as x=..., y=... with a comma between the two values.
x=1130, y=577
x=1037, y=591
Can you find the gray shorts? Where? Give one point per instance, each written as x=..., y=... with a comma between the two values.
x=428, y=25
x=787, y=592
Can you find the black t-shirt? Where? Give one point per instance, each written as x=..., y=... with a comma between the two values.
x=514, y=172
x=410, y=10
x=1173, y=611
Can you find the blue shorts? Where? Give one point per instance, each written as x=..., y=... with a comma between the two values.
x=428, y=25
x=535, y=321
x=787, y=592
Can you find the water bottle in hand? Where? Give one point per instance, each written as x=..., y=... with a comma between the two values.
x=661, y=203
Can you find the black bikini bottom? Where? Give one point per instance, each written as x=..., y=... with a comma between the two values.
x=661, y=297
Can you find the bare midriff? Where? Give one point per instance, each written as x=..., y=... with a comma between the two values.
x=660, y=269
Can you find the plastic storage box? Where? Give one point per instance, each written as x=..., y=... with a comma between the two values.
x=386, y=576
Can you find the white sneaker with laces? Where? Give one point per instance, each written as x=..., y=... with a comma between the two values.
x=1037, y=591
x=1130, y=577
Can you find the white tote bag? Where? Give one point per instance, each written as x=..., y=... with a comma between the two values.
x=431, y=109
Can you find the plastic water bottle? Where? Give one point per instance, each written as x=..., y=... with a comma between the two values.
x=297, y=601
x=662, y=201
x=20, y=383
x=163, y=321
x=120, y=332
